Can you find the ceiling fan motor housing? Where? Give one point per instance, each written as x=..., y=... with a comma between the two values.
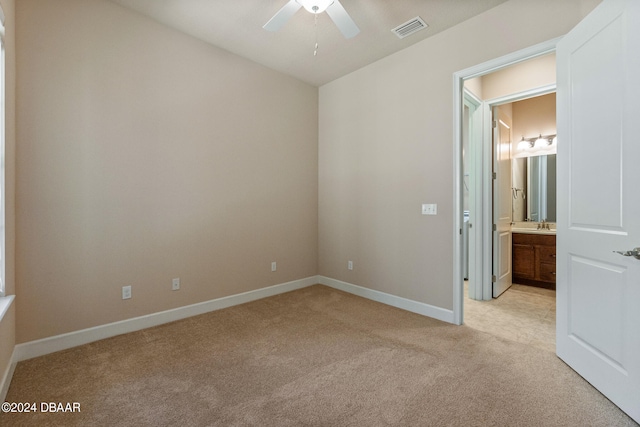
x=315, y=6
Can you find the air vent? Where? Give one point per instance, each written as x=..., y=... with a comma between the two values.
x=409, y=27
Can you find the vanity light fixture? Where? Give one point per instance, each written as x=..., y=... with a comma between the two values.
x=542, y=142
x=524, y=144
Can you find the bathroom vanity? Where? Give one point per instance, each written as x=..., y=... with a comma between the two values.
x=534, y=259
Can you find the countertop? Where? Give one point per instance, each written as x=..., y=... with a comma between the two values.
x=533, y=230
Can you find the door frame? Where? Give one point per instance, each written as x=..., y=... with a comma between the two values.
x=474, y=163
x=480, y=207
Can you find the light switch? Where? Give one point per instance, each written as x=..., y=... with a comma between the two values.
x=429, y=209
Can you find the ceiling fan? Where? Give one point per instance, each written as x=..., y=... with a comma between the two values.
x=334, y=9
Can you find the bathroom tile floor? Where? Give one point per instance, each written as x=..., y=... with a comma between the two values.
x=523, y=313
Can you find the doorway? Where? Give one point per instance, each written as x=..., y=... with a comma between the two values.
x=603, y=349
x=506, y=117
x=479, y=223
x=517, y=308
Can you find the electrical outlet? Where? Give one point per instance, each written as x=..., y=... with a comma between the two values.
x=126, y=292
x=350, y=265
x=175, y=284
x=273, y=266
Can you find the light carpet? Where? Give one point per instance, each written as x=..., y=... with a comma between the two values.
x=312, y=357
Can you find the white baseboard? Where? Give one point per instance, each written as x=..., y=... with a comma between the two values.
x=44, y=346
x=48, y=345
x=6, y=378
x=392, y=300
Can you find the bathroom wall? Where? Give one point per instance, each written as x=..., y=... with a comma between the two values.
x=531, y=117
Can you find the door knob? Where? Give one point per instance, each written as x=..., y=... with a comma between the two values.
x=634, y=253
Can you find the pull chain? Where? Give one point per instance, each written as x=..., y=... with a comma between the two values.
x=315, y=52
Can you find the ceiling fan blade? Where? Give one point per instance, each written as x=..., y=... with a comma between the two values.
x=282, y=16
x=343, y=21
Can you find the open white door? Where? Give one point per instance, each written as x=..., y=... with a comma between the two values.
x=501, y=201
x=598, y=290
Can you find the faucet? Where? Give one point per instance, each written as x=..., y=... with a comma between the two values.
x=544, y=225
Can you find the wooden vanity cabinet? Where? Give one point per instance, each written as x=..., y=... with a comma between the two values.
x=523, y=262
x=534, y=260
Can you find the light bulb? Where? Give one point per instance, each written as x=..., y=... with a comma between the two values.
x=541, y=142
x=523, y=145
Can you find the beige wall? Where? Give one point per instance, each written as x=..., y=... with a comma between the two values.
x=531, y=117
x=7, y=323
x=475, y=86
x=146, y=155
x=386, y=135
x=531, y=74
x=534, y=116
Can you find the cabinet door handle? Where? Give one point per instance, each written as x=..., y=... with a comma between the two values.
x=553, y=256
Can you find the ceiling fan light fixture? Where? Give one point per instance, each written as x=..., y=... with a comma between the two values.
x=315, y=6
x=334, y=9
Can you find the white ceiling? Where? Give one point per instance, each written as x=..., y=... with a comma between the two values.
x=236, y=26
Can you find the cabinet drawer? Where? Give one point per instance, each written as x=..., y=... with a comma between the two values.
x=548, y=254
x=534, y=239
x=548, y=272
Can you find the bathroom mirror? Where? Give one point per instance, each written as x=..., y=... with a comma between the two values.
x=534, y=188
